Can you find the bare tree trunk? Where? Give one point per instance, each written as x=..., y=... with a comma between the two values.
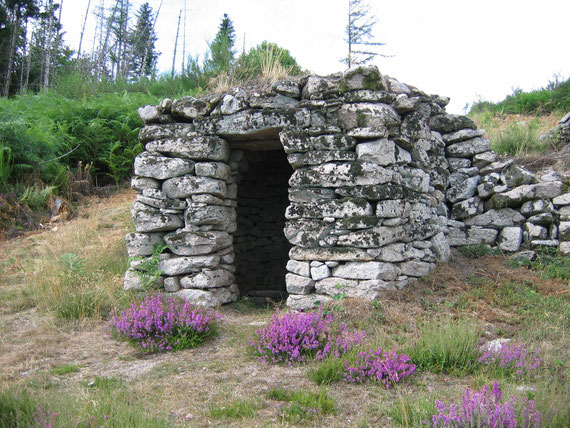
x=25, y=52
x=176, y=44
x=48, y=48
x=184, y=42
x=83, y=29
x=9, y=63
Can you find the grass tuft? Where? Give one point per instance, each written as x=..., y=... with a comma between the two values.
x=448, y=347
x=237, y=409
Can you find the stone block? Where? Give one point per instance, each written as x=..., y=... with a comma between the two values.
x=208, y=279
x=510, y=239
x=297, y=284
x=366, y=270
x=160, y=167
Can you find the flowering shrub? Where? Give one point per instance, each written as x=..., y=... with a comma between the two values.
x=511, y=360
x=164, y=323
x=296, y=336
x=386, y=367
x=484, y=409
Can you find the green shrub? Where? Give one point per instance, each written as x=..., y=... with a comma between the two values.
x=475, y=251
x=327, y=371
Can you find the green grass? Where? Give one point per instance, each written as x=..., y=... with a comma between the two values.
x=64, y=369
x=518, y=140
x=302, y=404
x=450, y=347
x=475, y=251
x=327, y=371
x=236, y=409
x=412, y=411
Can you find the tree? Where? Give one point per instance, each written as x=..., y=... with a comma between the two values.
x=361, y=45
x=222, y=48
x=141, y=40
x=14, y=15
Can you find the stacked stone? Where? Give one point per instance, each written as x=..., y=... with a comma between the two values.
x=186, y=199
x=365, y=199
x=383, y=182
x=499, y=203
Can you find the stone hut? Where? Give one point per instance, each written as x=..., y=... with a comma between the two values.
x=353, y=183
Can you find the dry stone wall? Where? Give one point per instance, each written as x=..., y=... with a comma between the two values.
x=353, y=183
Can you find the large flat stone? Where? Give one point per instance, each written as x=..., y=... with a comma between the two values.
x=181, y=265
x=161, y=167
x=208, y=279
x=197, y=243
x=182, y=187
x=340, y=174
x=366, y=270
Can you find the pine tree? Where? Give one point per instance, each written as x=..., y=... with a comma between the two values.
x=222, y=48
x=141, y=40
x=359, y=38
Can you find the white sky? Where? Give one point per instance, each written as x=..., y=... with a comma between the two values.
x=466, y=50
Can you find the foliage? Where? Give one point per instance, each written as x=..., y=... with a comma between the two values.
x=148, y=267
x=385, y=367
x=329, y=370
x=450, y=347
x=164, y=323
x=302, y=404
x=555, y=96
x=511, y=360
x=412, y=411
x=222, y=48
x=141, y=39
x=485, y=409
x=297, y=337
x=267, y=59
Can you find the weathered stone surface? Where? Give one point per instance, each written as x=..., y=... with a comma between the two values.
x=148, y=219
x=372, y=238
x=415, y=127
x=208, y=279
x=440, y=248
x=306, y=302
x=181, y=265
x=289, y=88
x=468, y=148
x=161, y=167
x=366, y=270
x=320, y=272
x=336, y=208
x=497, y=219
x=376, y=192
x=300, y=268
x=252, y=122
x=562, y=200
x=171, y=284
x=197, y=243
x=467, y=208
x=297, y=284
x=166, y=203
x=162, y=131
x=462, y=135
x=367, y=133
x=316, y=157
x=357, y=222
x=367, y=115
x=234, y=102
x=396, y=252
x=367, y=96
x=217, y=170
x=521, y=194
x=310, y=195
x=189, y=108
x=149, y=114
x=564, y=231
x=416, y=268
x=471, y=236
x=196, y=148
x=340, y=174
x=564, y=248
x=142, y=244
x=306, y=232
x=382, y=152
x=319, y=87
x=564, y=213
x=535, y=232
x=210, y=298
x=182, y=187
x=514, y=176
x=329, y=254
x=140, y=183
x=461, y=189
x=483, y=159
x=543, y=219
x=415, y=179
x=295, y=140
x=361, y=77
x=369, y=289
x=510, y=239
x=135, y=280
x=450, y=123
x=391, y=208
x=332, y=142
x=221, y=217
x=457, y=163
x=537, y=206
